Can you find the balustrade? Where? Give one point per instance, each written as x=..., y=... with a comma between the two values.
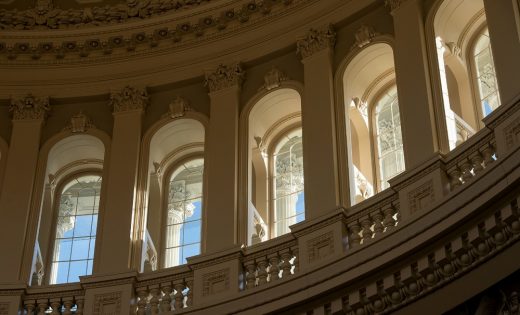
x=53, y=302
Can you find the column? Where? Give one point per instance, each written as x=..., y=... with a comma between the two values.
x=29, y=114
x=117, y=218
x=318, y=129
x=501, y=17
x=413, y=84
x=221, y=157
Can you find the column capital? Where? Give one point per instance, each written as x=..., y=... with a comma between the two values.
x=129, y=98
x=29, y=107
x=394, y=4
x=316, y=40
x=224, y=76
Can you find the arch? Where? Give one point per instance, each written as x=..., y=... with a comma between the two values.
x=450, y=27
x=95, y=144
x=4, y=149
x=164, y=144
x=361, y=76
x=265, y=116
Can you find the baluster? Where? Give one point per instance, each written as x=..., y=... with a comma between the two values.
x=286, y=262
x=30, y=305
x=274, y=269
x=262, y=270
x=55, y=305
x=189, y=300
x=389, y=221
x=296, y=261
x=487, y=153
x=42, y=306
x=454, y=175
x=80, y=300
x=476, y=161
x=466, y=167
x=378, y=223
x=354, y=229
x=366, y=223
x=68, y=302
x=166, y=299
x=142, y=294
x=155, y=292
x=178, y=296
x=250, y=276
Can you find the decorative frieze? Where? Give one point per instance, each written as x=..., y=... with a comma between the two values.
x=178, y=107
x=45, y=16
x=109, y=303
x=215, y=282
x=225, y=76
x=29, y=107
x=129, y=98
x=316, y=40
x=273, y=78
x=364, y=36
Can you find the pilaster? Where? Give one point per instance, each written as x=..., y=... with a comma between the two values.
x=29, y=114
x=114, y=253
x=413, y=83
x=221, y=157
x=318, y=122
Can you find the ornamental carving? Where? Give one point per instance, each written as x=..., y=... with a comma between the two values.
x=79, y=123
x=4, y=308
x=512, y=134
x=109, y=303
x=178, y=107
x=320, y=247
x=45, y=16
x=225, y=76
x=316, y=40
x=215, y=282
x=129, y=98
x=29, y=107
x=394, y=4
x=421, y=197
x=273, y=78
x=364, y=36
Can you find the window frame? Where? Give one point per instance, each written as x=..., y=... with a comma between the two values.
x=165, y=188
x=56, y=196
x=376, y=168
x=270, y=175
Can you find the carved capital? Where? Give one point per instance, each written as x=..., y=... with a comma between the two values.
x=273, y=78
x=29, y=107
x=225, y=76
x=316, y=40
x=129, y=98
x=394, y=4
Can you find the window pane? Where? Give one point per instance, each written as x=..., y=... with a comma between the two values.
x=183, y=224
x=190, y=250
x=76, y=229
x=485, y=73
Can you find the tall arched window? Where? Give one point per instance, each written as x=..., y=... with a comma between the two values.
x=389, y=141
x=76, y=225
x=184, y=215
x=288, y=193
x=485, y=73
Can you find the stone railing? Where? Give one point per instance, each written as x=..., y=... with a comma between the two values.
x=434, y=224
x=464, y=130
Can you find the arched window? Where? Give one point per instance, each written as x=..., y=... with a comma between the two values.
x=288, y=193
x=388, y=137
x=184, y=213
x=485, y=73
x=76, y=224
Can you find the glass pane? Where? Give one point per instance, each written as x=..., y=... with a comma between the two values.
x=83, y=225
x=192, y=232
x=62, y=271
x=80, y=249
x=77, y=268
x=485, y=75
x=62, y=250
x=190, y=250
x=92, y=246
